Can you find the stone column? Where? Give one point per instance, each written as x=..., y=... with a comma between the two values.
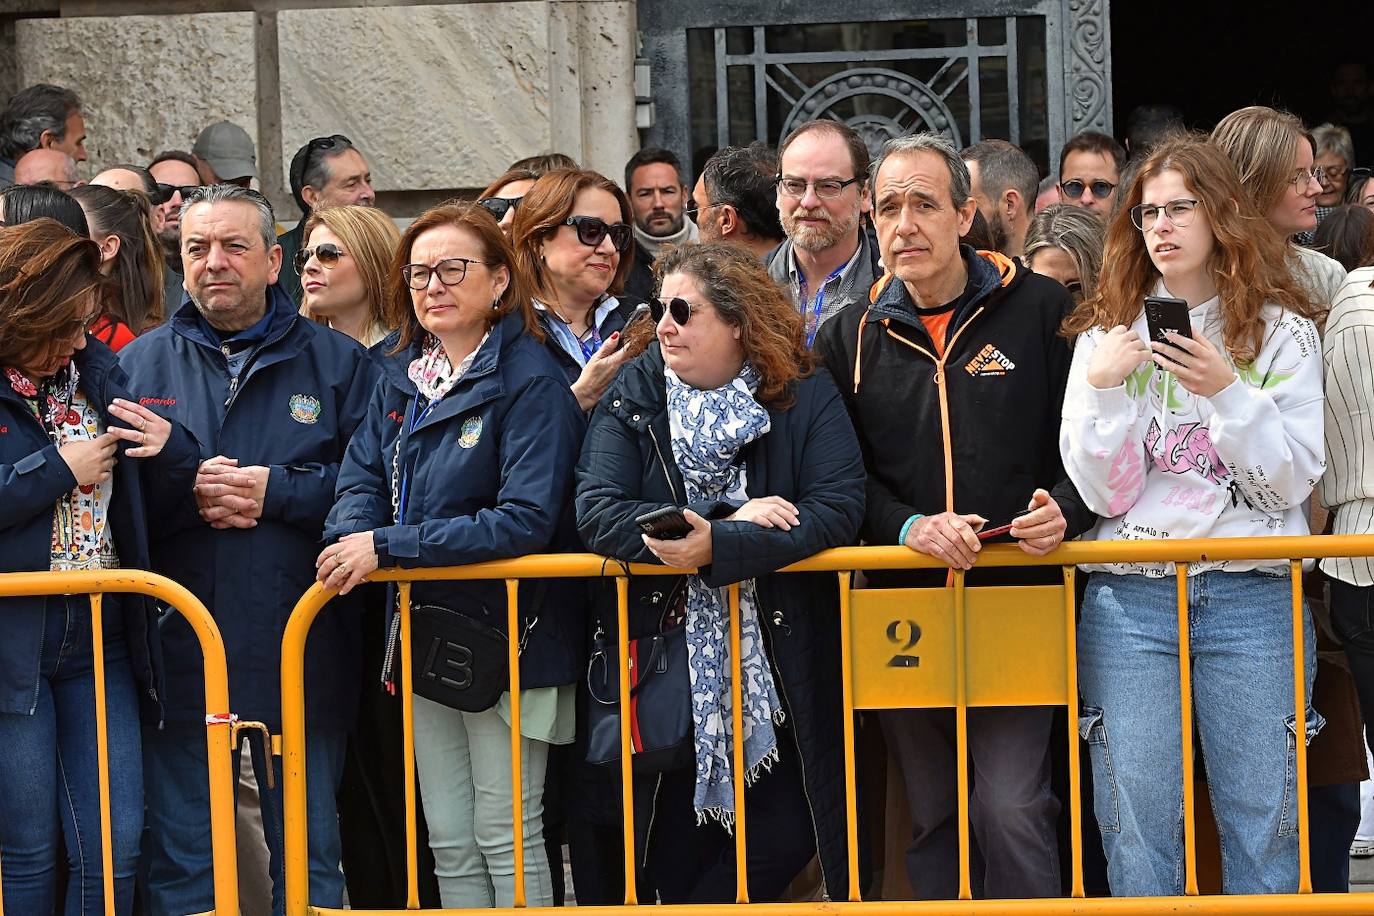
x=591, y=82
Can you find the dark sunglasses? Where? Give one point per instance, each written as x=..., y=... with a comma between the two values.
x=1101, y=189
x=680, y=309
x=327, y=254
x=590, y=231
x=166, y=191
x=499, y=206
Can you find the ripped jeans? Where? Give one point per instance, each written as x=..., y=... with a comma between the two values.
x=1241, y=641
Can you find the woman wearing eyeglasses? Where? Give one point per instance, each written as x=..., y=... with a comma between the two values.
x=571, y=236
x=504, y=194
x=343, y=266
x=1213, y=433
x=466, y=455
x=1275, y=156
x=725, y=416
x=83, y=470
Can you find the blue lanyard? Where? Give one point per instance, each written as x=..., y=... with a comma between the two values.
x=813, y=320
x=591, y=344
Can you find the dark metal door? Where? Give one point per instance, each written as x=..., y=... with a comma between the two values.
x=726, y=72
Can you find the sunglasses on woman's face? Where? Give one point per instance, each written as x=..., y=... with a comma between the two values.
x=680, y=309
x=590, y=231
x=499, y=206
x=327, y=254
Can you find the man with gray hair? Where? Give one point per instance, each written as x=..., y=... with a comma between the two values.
x=326, y=172
x=43, y=116
x=953, y=372
x=273, y=399
x=1005, y=184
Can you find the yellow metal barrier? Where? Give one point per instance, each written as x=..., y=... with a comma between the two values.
x=985, y=646
x=220, y=725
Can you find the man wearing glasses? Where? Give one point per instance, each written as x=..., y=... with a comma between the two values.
x=829, y=260
x=1089, y=171
x=273, y=398
x=326, y=172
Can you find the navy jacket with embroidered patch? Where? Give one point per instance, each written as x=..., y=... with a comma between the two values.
x=490, y=473
x=298, y=400
x=33, y=477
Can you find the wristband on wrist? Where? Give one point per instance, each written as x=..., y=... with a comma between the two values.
x=907, y=527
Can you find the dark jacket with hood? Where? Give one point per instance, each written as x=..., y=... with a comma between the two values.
x=488, y=476
x=33, y=477
x=975, y=431
x=296, y=402
x=809, y=457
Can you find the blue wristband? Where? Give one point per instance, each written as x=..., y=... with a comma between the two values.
x=907, y=527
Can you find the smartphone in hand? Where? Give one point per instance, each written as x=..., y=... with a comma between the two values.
x=1163, y=314
x=1001, y=529
x=666, y=524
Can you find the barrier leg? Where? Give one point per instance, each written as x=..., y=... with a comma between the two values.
x=627, y=796
x=1071, y=697
x=737, y=720
x=961, y=729
x=408, y=751
x=851, y=803
x=1185, y=696
x=1300, y=737
x=517, y=785
x=102, y=750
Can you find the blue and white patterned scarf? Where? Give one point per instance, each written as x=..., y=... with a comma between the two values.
x=708, y=430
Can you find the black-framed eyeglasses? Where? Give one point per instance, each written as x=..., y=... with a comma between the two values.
x=1074, y=187
x=499, y=206
x=167, y=191
x=1179, y=211
x=694, y=212
x=591, y=231
x=450, y=272
x=826, y=188
x=680, y=309
x=327, y=254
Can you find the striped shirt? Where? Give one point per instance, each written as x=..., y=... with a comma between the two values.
x=1347, y=487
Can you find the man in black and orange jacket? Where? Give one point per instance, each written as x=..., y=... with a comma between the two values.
x=954, y=375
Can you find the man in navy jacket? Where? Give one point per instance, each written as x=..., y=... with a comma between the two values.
x=272, y=399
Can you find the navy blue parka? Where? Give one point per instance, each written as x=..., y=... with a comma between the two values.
x=33, y=477
x=489, y=474
x=299, y=398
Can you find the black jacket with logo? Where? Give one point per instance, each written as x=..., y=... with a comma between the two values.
x=974, y=432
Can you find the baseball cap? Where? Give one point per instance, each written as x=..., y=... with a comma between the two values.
x=228, y=149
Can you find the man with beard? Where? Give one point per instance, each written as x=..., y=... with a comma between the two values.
x=176, y=174
x=829, y=260
x=1005, y=184
x=658, y=198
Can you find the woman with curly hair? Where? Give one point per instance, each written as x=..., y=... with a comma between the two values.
x=724, y=416
x=1212, y=432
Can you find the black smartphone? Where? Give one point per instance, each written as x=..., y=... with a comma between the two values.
x=666, y=524
x=1163, y=314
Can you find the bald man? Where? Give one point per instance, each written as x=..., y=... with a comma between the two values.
x=46, y=165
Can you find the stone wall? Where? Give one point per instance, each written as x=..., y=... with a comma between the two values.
x=440, y=97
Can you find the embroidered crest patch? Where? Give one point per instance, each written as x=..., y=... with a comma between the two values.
x=471, y=432
x=304, y=408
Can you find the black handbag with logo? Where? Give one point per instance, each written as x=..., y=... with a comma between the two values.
x=456, y=659
x=661, y=736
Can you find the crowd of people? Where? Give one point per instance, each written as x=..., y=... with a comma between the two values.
x=799, y=348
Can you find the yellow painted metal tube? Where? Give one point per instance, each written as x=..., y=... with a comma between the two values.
x=1300, y=734
x=622, y=611
x=737, y=745
x=408, y=752
x=216, y=677
x=1185, y=704
x=961, y=729
x=102, y=749
x=851, y=802
x=1075, y=777
x=517, y=800
x=295, y=840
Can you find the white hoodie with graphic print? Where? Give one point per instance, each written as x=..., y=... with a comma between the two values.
x=1158, y=462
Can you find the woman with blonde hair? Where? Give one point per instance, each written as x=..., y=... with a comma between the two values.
x=1064, y=243
x=1213, y=430
x=343, y=262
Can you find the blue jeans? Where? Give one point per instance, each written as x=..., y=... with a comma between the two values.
x=1241, y=639
x=48, y=770
x=177, y=851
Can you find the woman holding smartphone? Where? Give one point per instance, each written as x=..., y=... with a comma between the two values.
x=724, y=416
x=1213, y=434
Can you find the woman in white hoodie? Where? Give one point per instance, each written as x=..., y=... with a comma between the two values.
x=1217, y=435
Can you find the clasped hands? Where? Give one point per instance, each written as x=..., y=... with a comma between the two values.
x=230, y=496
